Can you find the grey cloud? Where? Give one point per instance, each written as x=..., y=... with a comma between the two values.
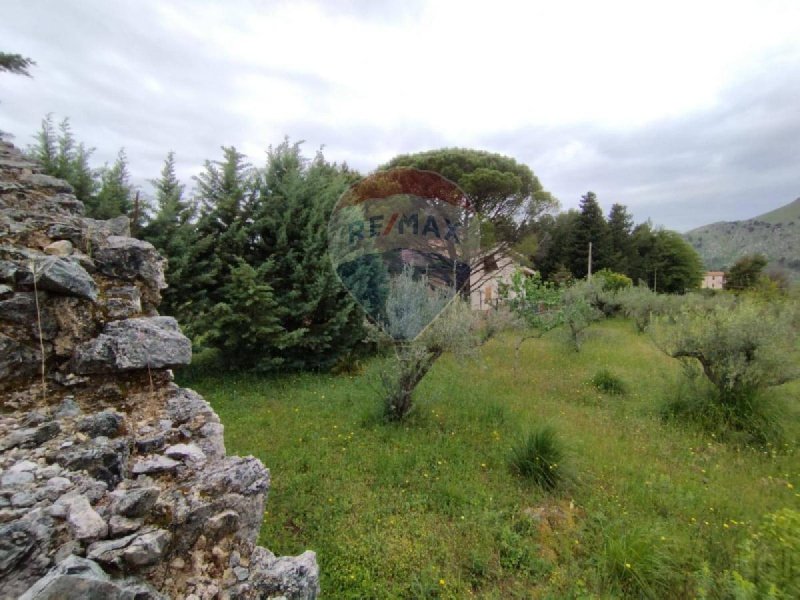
x=125, y=79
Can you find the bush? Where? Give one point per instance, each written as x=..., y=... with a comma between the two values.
x=454, y=330
x=608, y=383
x=538, y=457
x=579, y=310
x=695, y=400
x=742, y=348
x=642, y=304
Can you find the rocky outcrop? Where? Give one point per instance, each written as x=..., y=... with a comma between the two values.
x=114, y=482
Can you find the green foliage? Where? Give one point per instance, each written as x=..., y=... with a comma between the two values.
x=769, y=563
x=746, y=273
x=642, y=304
x=274, y=221
x=539, y=457
x=61, y=157
x=506, y=194
x=114, y=197
x=637, y=564
x=537, y=303
x=579, y=311
x=246, y=322
x=432, y=499
x=742, y=347
x=15, y=63
x=413, y=303
x=605, y=381
x=590, y=227
x=172, y=233
x=612, y=282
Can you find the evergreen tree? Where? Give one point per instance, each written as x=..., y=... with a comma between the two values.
x=591, y=227
x=15, y=63
x=82, y=177
x=247, y=329
x=289, y=240
x=620, y=228
x=219, y=241
x=61, y=157
x=114, y=197
x=45, y=149
x=170, y=230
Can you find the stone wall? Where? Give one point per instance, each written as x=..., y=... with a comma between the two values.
x=114, y=481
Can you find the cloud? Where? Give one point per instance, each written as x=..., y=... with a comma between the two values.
x=685, y=112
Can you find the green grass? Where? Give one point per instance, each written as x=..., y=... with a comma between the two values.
x=429, y=508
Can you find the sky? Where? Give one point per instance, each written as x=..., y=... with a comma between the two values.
x=686, y=112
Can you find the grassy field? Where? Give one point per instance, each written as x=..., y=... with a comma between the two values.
x=430, y=508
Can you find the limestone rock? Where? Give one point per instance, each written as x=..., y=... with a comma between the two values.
x=155, y=464
x=106, y=423
x=84, y=522
x=135, y=502
x=65, y=276
x=133, y=344
x=77, y=578
x=295, y=577
x=41, y=180
x=129, y=259
x=59, y=248
x=132, y=551
x=186, y=453
x=16, y=542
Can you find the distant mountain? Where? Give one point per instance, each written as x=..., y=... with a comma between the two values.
x=775, y=234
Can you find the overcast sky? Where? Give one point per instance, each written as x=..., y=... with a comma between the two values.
x=687, y=112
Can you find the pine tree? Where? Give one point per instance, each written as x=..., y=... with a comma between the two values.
x=620, y=227
x=591, y=227
x=246, y=324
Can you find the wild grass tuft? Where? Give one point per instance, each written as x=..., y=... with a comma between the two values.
x=605, y=381
x=538, y=457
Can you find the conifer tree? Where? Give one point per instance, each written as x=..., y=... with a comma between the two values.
x=220, y=240
x=170, y=230
x=620, y=226
x=114, y=197
x=289, y=236
x=591, y=227
x=61, y=157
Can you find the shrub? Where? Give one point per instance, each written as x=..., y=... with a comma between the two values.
x=742, y=348
x=605, y=381
x=579, y=311
x=538, y=457
x=611, y=281
x=642, y=304
x=453, y=330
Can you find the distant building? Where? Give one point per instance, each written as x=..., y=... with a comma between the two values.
x=713, y=280
x=492, y=272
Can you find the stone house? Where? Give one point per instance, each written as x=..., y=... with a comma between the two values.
x=713, y=280
x=492, y=271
